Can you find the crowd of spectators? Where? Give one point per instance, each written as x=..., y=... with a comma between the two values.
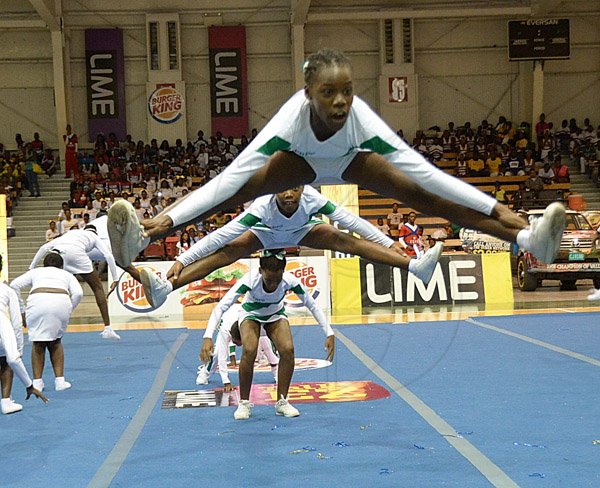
x=151, y=176
x=504, y=150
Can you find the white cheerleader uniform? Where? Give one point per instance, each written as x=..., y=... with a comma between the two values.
x=48, y=314
x=364, y=131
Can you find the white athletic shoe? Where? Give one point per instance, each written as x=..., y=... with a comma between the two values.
x=595, y=295
x=244, y=410
x=127, y=237
x=60, y=385
x=203, y=375
x=155, y=288
x=109, y=333
x=545, y=233
x=8, y=406
x=39, y=385
x=282, y=407
x=424, y=266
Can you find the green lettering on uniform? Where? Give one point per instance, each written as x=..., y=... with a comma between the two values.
x=273, y=145
x=249, y=220
x=378, y=145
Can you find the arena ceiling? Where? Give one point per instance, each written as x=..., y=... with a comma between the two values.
x=27, y=13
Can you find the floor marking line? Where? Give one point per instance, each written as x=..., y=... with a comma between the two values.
x=537, y=342
x=480, y=461
x=113, y=462
x=567, y=310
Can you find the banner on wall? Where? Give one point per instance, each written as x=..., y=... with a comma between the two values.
x=196, y=300
x=166, y=110
x=398, y=89
x=105, y=75
x=228, y=80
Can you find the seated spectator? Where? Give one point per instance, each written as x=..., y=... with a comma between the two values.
x=48, y=163
x=62, y=214
x=529, y=162
x=494, y=163
x=514, y=165
x=477, y=165
x=91, y=210
x=68, y=222
x=139, y=210
x=103, y=210
x=546, y=146
x=385, y=228
x=394, y=218
x=84, y=221
x=561, y=171
x=410, y=235
x=462, y=166
x=185, y=242
x=52, y=232
x=534, y=183
x=546, y=174
x=521, y=142
x=499, y=193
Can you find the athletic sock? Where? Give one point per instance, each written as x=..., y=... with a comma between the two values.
x=6, y=402
x=523, y=238
x=411, y=265
x=60, y=379
x=169, y=286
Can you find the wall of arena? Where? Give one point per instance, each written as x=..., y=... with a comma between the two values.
x=461, y=63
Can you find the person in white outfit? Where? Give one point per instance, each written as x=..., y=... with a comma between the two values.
x=264, y=291
x=53, y=296
x=229, y=332
x=285, y=219
x=11, y=350
x=75, y=248
x=324, y=134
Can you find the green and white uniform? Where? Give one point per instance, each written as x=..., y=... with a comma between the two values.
x=364, y=131
x=276, y=231
x=262, y=306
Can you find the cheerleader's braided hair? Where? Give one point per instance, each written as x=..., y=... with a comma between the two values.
x=321, y=59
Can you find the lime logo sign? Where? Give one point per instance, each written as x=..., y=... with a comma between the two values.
x=307, y=275
x=131, y=293
x=165, y=104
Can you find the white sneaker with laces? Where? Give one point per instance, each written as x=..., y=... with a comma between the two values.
x=127, y=236
x=244, y=410
x=109, y=333
x=202, y=378
x=545, y=233
x=424, y=266
x=282, y=407
x=60, y=385
x=595, y=295
x=39, y=384
x=8, y=406
x=155, y=288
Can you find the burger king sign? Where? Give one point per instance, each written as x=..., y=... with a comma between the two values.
x=165, y=104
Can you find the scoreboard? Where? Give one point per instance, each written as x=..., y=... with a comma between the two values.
x=538, y=39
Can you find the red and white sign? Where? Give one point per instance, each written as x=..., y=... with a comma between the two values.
x=398, y=89
x=165, y=104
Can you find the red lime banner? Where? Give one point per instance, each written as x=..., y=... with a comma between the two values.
x=228, y=80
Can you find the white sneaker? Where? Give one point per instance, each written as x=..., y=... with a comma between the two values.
x=424, y=266
x=155, y=288
x=108, y=333
x=39, y=385
x=545, y=233
x=282, y=407
x=8, y=406
x=202, y=378
x=127, y=237
x=244, y=410
x=595, y=295
x=61, y=385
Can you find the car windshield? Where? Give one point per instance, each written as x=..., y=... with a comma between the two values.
x=574, y=221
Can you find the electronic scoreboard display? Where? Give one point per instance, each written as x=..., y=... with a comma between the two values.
x=538, y=39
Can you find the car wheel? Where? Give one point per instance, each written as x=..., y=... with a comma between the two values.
x=567, y=285
x=525, y=280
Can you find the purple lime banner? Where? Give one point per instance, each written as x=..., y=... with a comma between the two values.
x=228, y=80
x=105, y=74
